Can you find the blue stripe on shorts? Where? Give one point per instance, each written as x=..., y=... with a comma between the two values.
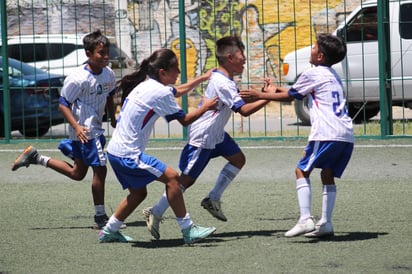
x=136, y=174
x=327, y=155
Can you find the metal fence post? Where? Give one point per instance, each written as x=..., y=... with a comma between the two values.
x=183, y=69
x=6, y=94
x=385, y=83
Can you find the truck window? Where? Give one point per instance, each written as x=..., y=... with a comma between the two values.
x=363, y=27
x=405, y=21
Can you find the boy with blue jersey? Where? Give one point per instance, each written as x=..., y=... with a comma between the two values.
x=207, y=136
x=331, y=138
x=85, y=94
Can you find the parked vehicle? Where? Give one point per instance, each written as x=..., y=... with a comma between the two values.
x=360, y=69
x=34, y=99
x=60, y=54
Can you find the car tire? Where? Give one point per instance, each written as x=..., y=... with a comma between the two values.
x=302, y=111
x=34, y=132
x=1, y=125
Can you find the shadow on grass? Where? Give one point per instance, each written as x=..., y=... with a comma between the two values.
x=347, y=237
x=210, y=241
x=129, y=224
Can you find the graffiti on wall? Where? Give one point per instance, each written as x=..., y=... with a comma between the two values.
x=205, y=23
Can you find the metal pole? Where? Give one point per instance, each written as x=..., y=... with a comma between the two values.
x=6, y=94
x=385, y=84
x=183, y=68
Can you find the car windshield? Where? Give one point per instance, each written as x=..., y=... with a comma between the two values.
x=17, y=68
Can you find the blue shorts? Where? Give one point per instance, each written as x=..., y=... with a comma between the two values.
x=91, y=153
x=193, y=160
x=136, y=174
x=327, y=155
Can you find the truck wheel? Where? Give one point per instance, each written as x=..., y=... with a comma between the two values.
x=302, y=111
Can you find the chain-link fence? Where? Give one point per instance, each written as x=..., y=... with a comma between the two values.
x=277, y=34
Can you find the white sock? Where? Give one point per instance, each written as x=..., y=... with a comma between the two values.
x=226, y=176
x=114, y=224
x=184, y=222
x=161, y=206
x=42, y=160
x=304, y=192
x=328, y=203
x=99, y=210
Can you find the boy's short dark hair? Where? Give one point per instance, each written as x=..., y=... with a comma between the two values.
x=228, y=44
x=91, y=40
x=333, y=48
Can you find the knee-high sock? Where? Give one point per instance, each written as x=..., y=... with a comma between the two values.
x=304, y=193
x=163, y=204
x=226, y=176
x=328, y=203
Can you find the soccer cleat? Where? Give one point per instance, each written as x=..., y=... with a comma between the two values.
x=214, y=208
x=28, y=157
x=101, y=221
x=107, y=236
x=321, y=230
x=301, y=228
x=196, y=233
x=152, y=222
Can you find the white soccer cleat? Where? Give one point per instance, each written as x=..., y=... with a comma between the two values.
x=301, y=228
x=321, y=230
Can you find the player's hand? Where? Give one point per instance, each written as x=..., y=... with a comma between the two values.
x=210, y=103
x=250, y=95
x=82, y=133
x=208, y=74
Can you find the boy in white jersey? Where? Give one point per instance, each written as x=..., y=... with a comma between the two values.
x=150, y=96
x=207, y=137
x=84, y=97
x=331, y=138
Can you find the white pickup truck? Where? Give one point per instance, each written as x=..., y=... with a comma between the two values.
x=360, y=69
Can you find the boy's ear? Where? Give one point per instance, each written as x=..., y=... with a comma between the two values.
x=88, y=53
x=321, y=57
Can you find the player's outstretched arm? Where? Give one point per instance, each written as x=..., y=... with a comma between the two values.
x=207, y=104
x=189, y=86
x=270, y=92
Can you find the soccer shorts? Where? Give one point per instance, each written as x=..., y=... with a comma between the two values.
x=136, y=173
x=327, y=155
x=91, y=153
x=193, y=160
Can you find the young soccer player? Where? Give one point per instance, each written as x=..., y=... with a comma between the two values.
x=151, y=97
x=84, y=97
x=207, y=137
x=331, y=138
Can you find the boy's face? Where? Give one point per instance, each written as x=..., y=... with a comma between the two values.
x=99, y=58
x=237, y=61
x=316, y=57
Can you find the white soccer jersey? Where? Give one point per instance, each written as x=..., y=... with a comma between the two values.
x=327, y=103
x=208, y=130
x=144, y=105
x=87, y=93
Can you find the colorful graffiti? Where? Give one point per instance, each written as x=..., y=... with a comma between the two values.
x=267, y=33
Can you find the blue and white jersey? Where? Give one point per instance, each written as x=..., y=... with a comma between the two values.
x=327, y=103
x=209, y=129
x=142, y=107
x=86, y=93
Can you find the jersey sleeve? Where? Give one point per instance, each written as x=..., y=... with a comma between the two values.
x=303, y=86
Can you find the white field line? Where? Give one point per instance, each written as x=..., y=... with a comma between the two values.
x=242, y=147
